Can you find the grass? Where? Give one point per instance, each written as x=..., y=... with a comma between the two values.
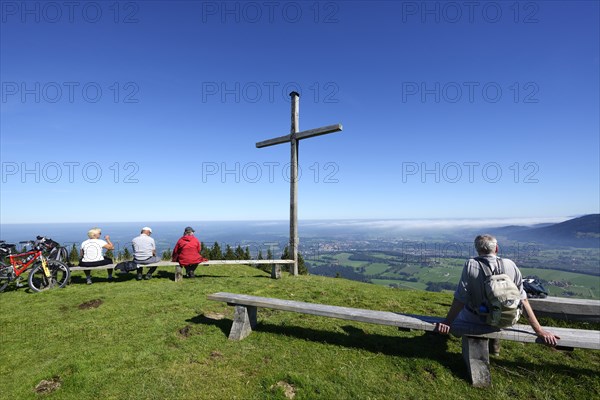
x=163, y=340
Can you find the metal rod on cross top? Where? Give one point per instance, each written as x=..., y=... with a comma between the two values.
x=293, y=138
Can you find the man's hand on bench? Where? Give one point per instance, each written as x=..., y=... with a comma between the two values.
x=549, y=339
x=442, y=327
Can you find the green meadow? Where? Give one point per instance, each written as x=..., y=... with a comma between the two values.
x=159, y=339
x=388, y=270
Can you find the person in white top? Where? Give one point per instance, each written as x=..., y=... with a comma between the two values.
x=92, y=253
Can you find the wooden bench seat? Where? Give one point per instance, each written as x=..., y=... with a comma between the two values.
x=567, y=309
x=475, y=339
x=275, y=265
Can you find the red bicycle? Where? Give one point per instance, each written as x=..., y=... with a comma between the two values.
x=45, y=273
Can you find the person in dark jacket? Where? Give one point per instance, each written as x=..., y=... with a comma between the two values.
x=187, y=254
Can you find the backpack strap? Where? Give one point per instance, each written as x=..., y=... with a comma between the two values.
x=484, y=267
x=487, y=269
x=500, y=265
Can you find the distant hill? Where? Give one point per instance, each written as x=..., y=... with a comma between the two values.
x=578, y=232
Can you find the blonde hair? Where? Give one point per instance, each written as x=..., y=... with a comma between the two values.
x=93, y=232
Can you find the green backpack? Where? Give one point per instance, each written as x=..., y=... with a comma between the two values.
x=503, y=298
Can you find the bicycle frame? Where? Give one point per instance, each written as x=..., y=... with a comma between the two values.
x=16, y=261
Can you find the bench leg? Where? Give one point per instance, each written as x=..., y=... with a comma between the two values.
x=178, y=273
x=244, y=320
x=275, y=271
x=477, y=356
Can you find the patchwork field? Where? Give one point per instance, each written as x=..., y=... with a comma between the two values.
x=400, y=271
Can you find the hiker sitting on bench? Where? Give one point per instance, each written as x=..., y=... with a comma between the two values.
x=144, y=252
x=474, y=302
x=187, y=254
x=91, y=253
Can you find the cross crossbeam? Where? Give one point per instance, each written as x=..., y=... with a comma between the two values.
x=301, y=135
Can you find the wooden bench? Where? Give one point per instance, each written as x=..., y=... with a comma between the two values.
x=567, y=309
x=275, y=265
x=474, y=340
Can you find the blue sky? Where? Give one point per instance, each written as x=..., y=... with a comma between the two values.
x=150, y=110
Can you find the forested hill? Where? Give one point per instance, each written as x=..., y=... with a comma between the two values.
x=577, y=232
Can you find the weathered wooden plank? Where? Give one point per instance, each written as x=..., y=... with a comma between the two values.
x=582, y=338
x=276, y=271
x=295, y=127
x=355, y=314
x=301, y=135
x=521, y=333
x=319, y=131
x=476, y=354
x=178, y=274
x=242, y=262
x=211, y=262
x=274, y=141
x=244, y=320
x=567, y=309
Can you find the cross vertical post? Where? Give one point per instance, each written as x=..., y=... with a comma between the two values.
x=295, y=128
x=294, y=138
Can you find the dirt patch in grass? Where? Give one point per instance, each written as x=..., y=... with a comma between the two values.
x=186, y=331
x=289, y=391
x=216, y=354
x=430, y=373
x=45, y=387
x=91, y=304
x=215, y=316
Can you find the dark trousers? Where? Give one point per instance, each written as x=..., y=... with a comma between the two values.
x=100, y=263
x=149, y=260
x=151, y=270
x=190, y=270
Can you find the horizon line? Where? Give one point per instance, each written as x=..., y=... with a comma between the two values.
x=311, y=220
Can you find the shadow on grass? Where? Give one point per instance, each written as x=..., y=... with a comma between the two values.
x=12, y=287
x=422, y=346
x=165, y=274
x=200, y=276
x=223, y=324
x=526, y=369
x=96, y=278
x=428, y=346
x=124, y=277
x=230, y=276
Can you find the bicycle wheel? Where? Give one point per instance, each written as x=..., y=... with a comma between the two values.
x=5, y=274
x=59, y=276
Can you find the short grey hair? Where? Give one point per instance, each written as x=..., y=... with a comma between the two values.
x=485, y=244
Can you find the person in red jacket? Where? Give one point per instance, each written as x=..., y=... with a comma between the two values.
x=187, y=254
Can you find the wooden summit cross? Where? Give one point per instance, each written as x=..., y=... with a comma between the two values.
x=293, y=138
